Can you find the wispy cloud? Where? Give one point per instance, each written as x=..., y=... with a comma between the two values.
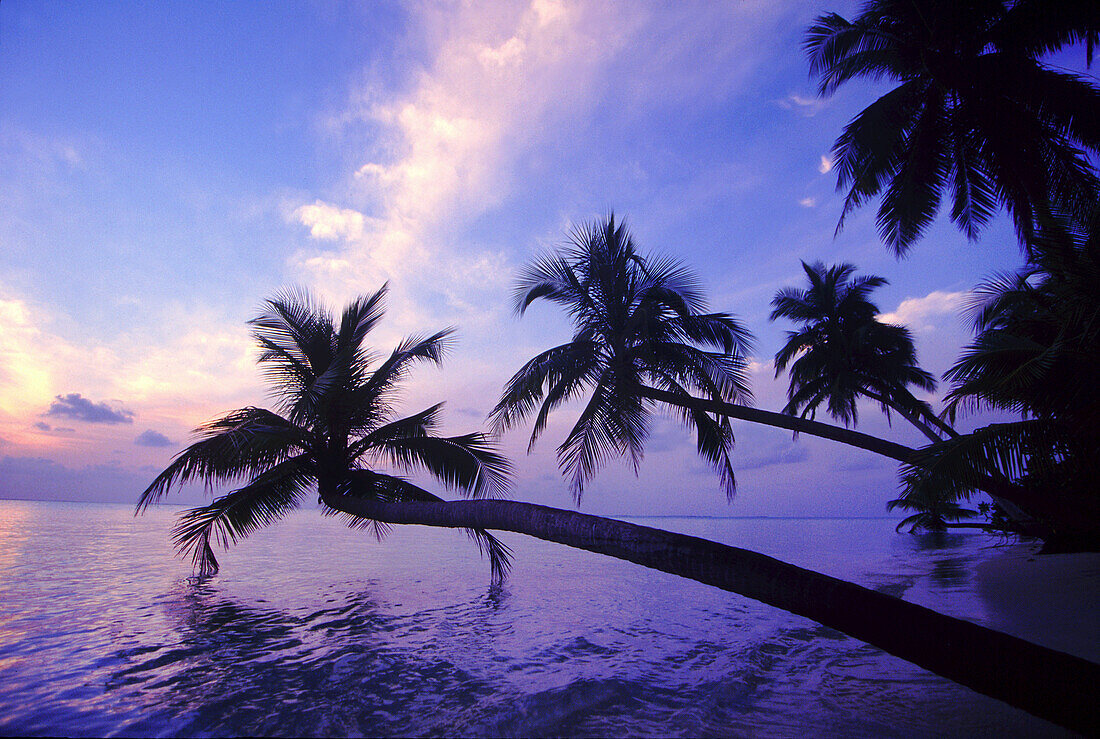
x=329, y=222
x=803, y=105
x=79, y=408
x=808, y=202
x=782, y=452
x=825, y=165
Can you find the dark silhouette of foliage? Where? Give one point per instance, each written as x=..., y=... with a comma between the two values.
x=975, y=113
x=842, y=352
x=335, y=426
x=1034, y=354
x=636, y=320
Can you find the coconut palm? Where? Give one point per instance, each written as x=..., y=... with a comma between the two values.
x=335, y=421
x=636, y=321
x=335, y=429
x=1038, y=338
x=639, y=322
x=842, y=351
x=974, y=112
x=618, y=300
x=932, y=511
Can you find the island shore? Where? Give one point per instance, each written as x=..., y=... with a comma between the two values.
x=1048, y=599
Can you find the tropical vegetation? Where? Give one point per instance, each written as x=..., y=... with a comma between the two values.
x=636, y=321
x=842, y=352
x=336, y=424
x=976, y=115
x=335, y=428
x=1034, y=355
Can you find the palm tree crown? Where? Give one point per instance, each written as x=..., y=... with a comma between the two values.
x=1035, y=354
x=335, y=424
x=842, y=351
x=636, y=321
x=974, y=112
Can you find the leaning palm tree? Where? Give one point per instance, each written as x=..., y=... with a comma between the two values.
x=335, y=422
x=842, y=352
x=637, y=322
x=974, y=113
x=640, y=338
x=933, y=510
x=1035, y=354
x=633, y=324
x=335, y=429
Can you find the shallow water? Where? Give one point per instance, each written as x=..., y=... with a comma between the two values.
x=314, y=629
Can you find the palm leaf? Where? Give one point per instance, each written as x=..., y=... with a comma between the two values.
x=241, y=444
x=261, y=502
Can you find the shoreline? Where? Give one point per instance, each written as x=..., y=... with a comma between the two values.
x=1048, y=599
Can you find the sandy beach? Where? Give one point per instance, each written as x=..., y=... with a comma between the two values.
x=1050, y=599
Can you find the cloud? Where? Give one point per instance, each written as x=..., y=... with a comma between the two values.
x=804, y=106
x=329, y=222
x=153, y=438
x=785, y=452
x=916, y=313
x=808, y=202
x=826, y=165
x=499, y=81
x=79, y=408
x=42, y=426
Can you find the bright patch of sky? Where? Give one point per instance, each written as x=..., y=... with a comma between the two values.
x=168, y=166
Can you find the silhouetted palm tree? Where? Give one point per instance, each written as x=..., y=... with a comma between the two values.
x=636, y=321
x=932, y=511
x=336, y=421
x=335, y=427
x=842, y=351
x=1035, y=354
x=974, y=112
x=619, y=343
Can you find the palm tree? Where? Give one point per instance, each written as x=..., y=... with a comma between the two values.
x=842, y=351
x=974, y=113
x=334, y=427
x=637, y=321
x=932, y=511
x=1035, y=354
x=336, y=420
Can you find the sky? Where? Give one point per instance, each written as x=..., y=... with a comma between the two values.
x=165, y=167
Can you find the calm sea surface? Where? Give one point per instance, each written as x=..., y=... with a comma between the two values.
x=315, y=629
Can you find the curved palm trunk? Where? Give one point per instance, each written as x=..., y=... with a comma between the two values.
x=870, y=443
x=1020, y=498
x=1020, y=518
x=1050, y=684
x=920, y=422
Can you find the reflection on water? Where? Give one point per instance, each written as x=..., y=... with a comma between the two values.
x=409, y=638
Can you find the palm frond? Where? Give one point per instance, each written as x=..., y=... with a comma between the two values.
x=241, y=444
x=567, y=363
x=468, y=463
x=263, y=501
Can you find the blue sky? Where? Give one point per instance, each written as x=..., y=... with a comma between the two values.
x=165, y=167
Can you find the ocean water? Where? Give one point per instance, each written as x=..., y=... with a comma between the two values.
x=315, y=629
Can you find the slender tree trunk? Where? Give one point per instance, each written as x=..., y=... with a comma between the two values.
x=1053, y=685
x=1054, y=509
x=1021, y=518
x=908, y=415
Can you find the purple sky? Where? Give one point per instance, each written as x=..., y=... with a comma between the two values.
x=165, y=167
